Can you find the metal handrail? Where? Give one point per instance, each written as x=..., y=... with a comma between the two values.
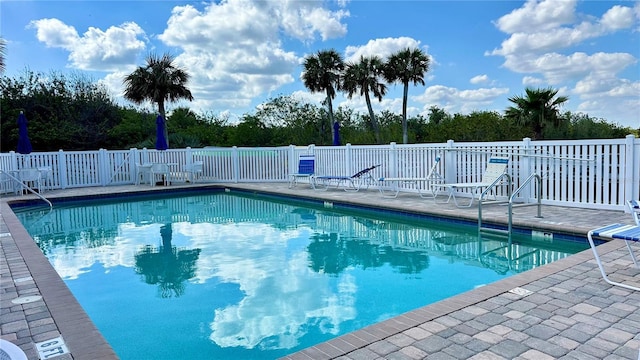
x=28, y=188
x=539, y=197
x=493, y=184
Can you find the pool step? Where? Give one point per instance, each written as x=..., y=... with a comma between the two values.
x=492, y=232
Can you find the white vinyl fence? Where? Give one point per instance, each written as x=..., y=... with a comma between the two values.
x=579, y=173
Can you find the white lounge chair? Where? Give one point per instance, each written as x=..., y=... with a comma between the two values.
x=624, y=232
x=355, y=182
x=493, y=176
x=306, y=169
x=389, y=186
x=634, y=207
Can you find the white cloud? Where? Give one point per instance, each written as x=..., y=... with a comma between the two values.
x=618, y=17
x=381, y=47
x=549, y=25
x=532, y=81
x=96, y=49
x=234, y=62
x=478, y=79
x=538, y=15
x=459, y=101
x=543, y=41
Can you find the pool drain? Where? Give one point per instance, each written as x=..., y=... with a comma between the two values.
x=26, y=299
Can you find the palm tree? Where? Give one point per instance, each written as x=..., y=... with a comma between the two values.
x=158, y=81
x=537, y=109
x=365, y=76
x=405, y=66
x=3, y=48
x=322, y=73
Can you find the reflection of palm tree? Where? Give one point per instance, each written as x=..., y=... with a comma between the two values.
x=167, y=266
x=331, y=255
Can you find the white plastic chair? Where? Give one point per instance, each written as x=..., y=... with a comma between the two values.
x=162, y=170
x=195, y=170
x=31, y=178
x=433, y=177
x=143, y=172
x=492, y=176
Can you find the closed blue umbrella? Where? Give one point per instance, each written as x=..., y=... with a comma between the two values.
x=336, y=134
x=24, y=145
x=161, y=140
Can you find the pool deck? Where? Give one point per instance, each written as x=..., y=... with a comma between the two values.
x=567, y=310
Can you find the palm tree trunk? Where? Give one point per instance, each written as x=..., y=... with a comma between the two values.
x=374, y=121
x=330, y=105
x=405, y=95
x=162, y=112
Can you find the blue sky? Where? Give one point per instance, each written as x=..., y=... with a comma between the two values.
x=242, y=53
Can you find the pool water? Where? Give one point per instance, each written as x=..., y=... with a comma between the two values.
x=223, y=275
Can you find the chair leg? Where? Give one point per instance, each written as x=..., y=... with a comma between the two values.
x=601, y=267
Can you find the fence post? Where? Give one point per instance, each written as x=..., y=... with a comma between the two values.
x=393, y=159
x=235, y=164
x=631, y=170
x=348, y=159
x=188, y=158
x=133, y=165
x=525, y=169
x=450, y=166
x=104, y=173
x=62, y=163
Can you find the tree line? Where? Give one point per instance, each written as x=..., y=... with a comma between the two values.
x=73, y=112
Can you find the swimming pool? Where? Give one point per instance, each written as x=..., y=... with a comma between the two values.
x=219, y=275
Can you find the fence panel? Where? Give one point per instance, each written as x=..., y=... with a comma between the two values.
x=586, y=173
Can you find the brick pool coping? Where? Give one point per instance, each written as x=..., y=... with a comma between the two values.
x=59, y=313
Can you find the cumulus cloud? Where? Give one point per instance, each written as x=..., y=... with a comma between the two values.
x=96, y=49
x=542, y=43
x=538, y=15
x=459, y=101
x=382, y=48
x=235, y=61
x=479, y=79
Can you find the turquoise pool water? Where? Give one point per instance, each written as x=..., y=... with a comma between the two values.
x=224, y=275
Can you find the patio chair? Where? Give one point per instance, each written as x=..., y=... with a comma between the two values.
x=143, y=172
x=492, y=177
x=161, y=170
x=627, y=233
x=634, y=207
x=432, y=177
x=31, y=178
x=306, y=169
x=353, y=183
x=195, y=170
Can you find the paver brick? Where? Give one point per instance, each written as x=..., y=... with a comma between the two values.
x=413, y=352
x=417, y=333
x=615, y=335
x=533, y=354
x=400, y=340
x=541, y=331
x=432, y=344
x=546, y=347
x=14, y=326
x=585, y=309
x=362, y=354
x=592, y=351
x=509, y=348
x=458, y=351
x=382, y=347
